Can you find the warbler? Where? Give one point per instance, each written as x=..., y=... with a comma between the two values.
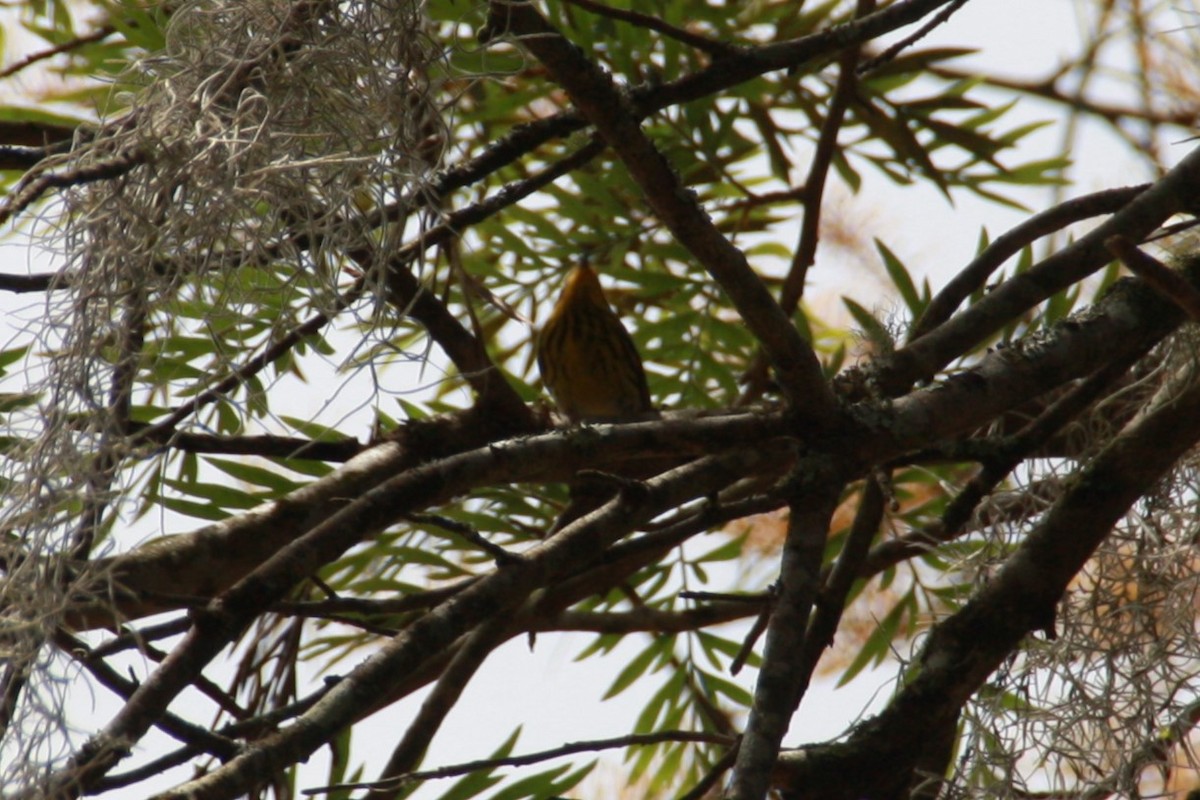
x=586, y=357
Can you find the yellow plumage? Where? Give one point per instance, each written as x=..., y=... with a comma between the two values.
x=587, y=359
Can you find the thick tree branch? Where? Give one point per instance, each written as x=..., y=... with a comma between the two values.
x=777, y=691
x=974, y=276
x=1131, y=318
x=142, y=582
x=1128, y=313
x=1004, y=460
x=547, y=610
x=576, y=544
x=839, y=579
x=964, y=650
x=922, y=358
x=41, y=282
x=465, y=662
x=226, y=617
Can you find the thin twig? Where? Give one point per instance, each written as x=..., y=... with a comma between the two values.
x=1118, y=116
x=267, y=446
x=710, y=779
x=818, y=172
x=419, y=601
x=756, y=598
x=756, y=631
x=34, y=186
x=255, y=365
x=569, y=749
x=890, y=53
x=221, y=699
x=77, y=42
x=174, y=726
x=713, y=47
x=811, y=199
x=136, y=637
x=440, y=701
x=249, y=728
x=468, y=533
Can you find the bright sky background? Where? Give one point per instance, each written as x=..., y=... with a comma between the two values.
x=560, y=698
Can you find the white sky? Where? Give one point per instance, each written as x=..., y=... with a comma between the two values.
x=559, y=700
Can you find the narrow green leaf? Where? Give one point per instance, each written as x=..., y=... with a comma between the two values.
x=258, y=476
x=900, y=279
x=10, y=357
x=638, y=666
x=195, y=510
x=879, y=643
x=871, y=327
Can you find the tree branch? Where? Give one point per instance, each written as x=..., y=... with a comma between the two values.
x=1166, y=281
x=1011, y=453
x=1131, y=318
x=465, y=662
x=74, y=43
x=31, y=187
x=1182, y=115
x=965, y=649
x=576, y=544
x=339, y=450
x=569, y=749
x=812, y=194
x=922, y=358
x=777, y=691
x=713, y=47
x=41, y=282
x=972, y=277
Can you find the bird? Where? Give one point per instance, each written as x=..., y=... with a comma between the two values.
x=587, y=358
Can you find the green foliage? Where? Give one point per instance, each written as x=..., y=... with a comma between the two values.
x=224, y=303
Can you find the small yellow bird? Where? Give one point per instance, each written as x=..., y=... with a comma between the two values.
x=587, y=359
